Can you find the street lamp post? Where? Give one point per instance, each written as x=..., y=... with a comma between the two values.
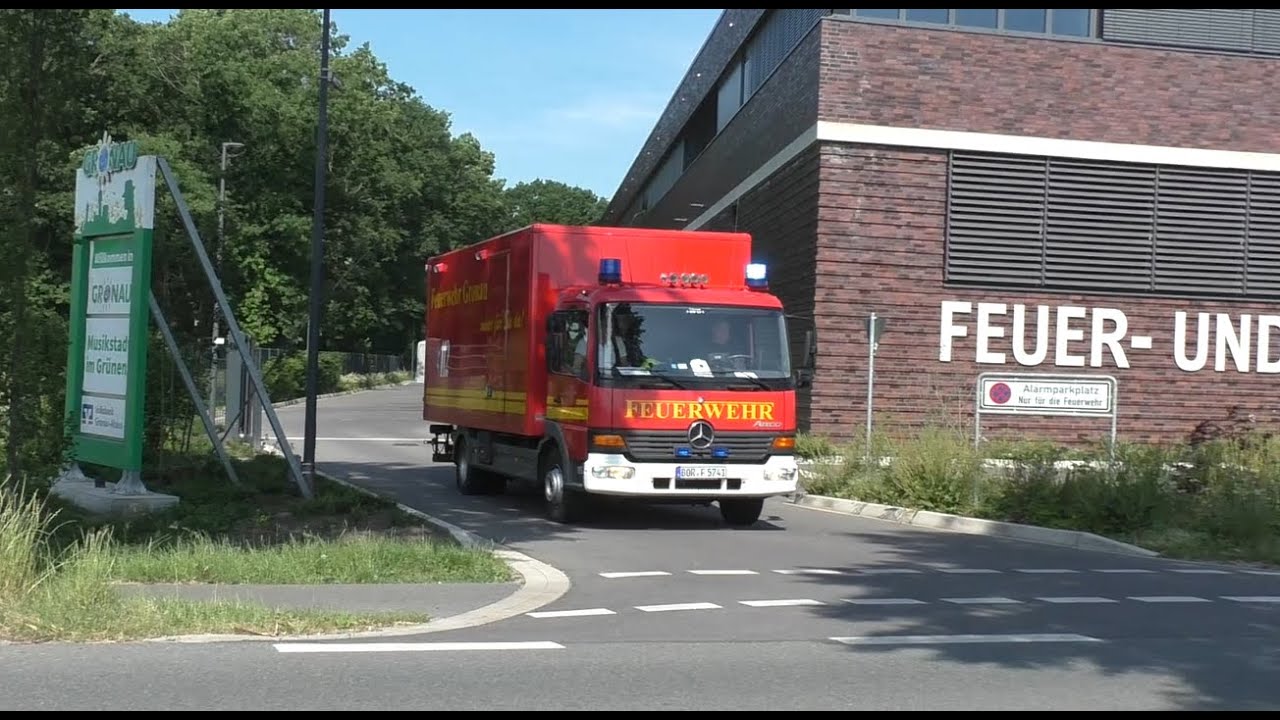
x=217, y=254
x=317, y=261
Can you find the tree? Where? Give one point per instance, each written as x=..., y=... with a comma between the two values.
x=551, y=201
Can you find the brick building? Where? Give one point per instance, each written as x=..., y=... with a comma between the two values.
x=1083, y=192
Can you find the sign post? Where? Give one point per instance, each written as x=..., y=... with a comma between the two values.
x=110, y=309
x=1073, y=395
x=875, y=329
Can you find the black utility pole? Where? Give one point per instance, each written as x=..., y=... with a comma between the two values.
x=317, y=262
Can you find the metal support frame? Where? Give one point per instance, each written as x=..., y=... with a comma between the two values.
x=233, y=327
x=206, y=416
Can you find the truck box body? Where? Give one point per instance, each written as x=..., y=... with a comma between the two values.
x=648, y=399
x=495, y=377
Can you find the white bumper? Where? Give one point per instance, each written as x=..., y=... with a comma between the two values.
x=606, y=474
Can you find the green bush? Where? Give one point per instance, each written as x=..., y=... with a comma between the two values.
x=1208, y=498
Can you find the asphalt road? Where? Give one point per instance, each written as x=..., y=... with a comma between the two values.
x=670, y=609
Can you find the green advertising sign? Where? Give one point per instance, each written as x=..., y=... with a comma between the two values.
x=110, y=308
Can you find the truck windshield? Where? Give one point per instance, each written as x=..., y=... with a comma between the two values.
x=693, y=345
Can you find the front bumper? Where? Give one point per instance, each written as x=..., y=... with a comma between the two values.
x=608, y=474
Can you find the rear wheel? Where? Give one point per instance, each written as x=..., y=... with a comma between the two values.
x=741, y=512
x=471, y=480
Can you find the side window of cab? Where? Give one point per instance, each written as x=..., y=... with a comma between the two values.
x=567, y=343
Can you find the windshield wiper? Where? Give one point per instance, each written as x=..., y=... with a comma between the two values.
x=635, y=377
x=753, y=380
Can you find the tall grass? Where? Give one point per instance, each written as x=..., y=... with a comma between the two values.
x=1213, y=499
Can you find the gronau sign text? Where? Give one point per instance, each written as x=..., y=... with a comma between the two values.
x=1074, y=336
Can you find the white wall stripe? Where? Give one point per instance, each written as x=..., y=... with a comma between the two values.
x=925, y=138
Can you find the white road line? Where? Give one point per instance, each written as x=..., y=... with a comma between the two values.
x=638, y=573
x=678, y=606
x=883, y=601
x=1075, y=600
x=968, y=571
x=779, y=603
x=571, y=613
x=1253, y=598
x=1117, y=571
x=1167, y=598
x=889, y=571
x=983, y=601
x=1200, y=571
x=1262, y=572
x=1046, y=571
x=809, y=571
x=724, y=572
x=953, y=639
x=338, y=647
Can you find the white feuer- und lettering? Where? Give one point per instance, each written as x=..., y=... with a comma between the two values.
x=1243, y=343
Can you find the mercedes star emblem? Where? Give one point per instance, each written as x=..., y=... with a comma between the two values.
x=701, y=435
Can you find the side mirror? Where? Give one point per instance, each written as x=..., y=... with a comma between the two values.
x=804, y=378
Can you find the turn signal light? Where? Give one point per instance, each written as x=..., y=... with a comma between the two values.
x=608, y=442
x=785, y=442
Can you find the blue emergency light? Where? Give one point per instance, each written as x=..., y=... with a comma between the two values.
x=757, y=276
x=610, y=271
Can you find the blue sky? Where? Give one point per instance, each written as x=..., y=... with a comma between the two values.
x=565, y=95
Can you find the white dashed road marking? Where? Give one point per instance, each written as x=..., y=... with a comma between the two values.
x=1253, y=598
x=884, y=601
x=968, y=571
x=809, y=571
x=724, y=572
x=1168, y=598
x=678, y=606
x=954, y=639
x=1075, y=600
x=639, y=573
x=983, y=601
x=571, y=613
x=1047, y=571
x=780, y=603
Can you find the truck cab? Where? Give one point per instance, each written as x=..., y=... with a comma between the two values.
x=672, y=391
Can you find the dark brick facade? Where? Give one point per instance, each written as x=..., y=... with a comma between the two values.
x=881, y=247
x=785, y=106
x=982, y=82
x=848, y=229
x=882, y=217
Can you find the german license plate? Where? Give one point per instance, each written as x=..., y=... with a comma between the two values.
x=700, y=472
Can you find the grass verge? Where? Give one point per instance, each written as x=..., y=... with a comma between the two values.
x=1216, y=499
x=59, y=568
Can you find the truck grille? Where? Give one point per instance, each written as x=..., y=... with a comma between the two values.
x=661, y=446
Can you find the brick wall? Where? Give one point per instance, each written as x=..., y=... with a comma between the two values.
x=782, y=216
x=782, y=108
x=881, y=247
x=982, y=82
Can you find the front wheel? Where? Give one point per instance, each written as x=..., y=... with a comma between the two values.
x=741, y=512
x=563, y=505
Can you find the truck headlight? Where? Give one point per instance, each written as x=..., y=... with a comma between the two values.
x=784, y=474
x=613, y=472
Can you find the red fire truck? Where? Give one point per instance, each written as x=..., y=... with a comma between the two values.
x=652, y=364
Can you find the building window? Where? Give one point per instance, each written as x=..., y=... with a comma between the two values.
x=1093, y=226
x=1041, y=21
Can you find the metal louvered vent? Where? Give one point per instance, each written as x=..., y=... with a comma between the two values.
x=1089, y=226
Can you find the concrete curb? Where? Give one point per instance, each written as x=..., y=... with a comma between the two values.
x=541, y=584
x=1075, y=539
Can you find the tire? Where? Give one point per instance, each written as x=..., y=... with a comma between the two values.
x=563, y=505
x=741, y=512
x=469, y=479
